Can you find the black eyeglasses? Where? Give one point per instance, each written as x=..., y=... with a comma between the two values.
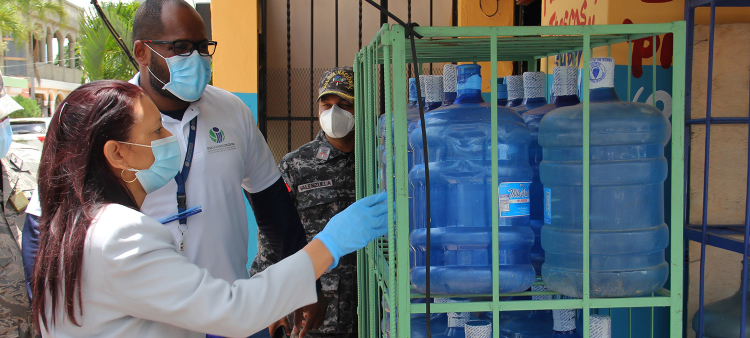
x=185, y=47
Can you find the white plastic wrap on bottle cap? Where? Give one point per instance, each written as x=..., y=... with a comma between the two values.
x=458, y=319
x=515, y=87
x=449, y=78
x=478, y=329
x=434, y=89
x=564, y=320
x=565, y=81
x=601, y=326
x=602, y=73
x=533, y=84
x=538, y=288
x=423, y=79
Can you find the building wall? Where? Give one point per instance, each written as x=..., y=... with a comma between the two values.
x=235, y=65
x=471, y=14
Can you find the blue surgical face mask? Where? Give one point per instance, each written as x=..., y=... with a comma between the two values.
x=167, y=161
x=188, y=75
x=6, y=137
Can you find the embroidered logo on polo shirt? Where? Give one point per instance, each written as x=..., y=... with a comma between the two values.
x=218, y=136
x=314, y=185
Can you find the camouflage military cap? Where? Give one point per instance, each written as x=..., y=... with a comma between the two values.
x=339, y=81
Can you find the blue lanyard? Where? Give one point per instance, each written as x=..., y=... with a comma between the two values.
x=180, y=216
x=182, y=176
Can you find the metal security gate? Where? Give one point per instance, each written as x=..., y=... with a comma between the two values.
x=288, y=74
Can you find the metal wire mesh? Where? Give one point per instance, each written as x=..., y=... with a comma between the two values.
x=290, y=126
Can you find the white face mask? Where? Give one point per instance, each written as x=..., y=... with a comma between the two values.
x=336, y=122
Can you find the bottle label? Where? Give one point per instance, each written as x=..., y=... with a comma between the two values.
x=602, y=73
x=547, y=206
x=514, y=199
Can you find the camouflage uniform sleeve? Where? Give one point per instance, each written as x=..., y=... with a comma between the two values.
x=287, y=173
x=265, y=256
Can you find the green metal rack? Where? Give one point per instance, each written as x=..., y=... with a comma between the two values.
x=384, y=268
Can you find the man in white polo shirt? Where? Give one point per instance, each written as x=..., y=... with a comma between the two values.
x=229, y=154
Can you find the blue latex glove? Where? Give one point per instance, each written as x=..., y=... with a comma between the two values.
x=351, y=229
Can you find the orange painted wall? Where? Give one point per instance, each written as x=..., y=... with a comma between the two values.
x=234, y=25
x=470, y=14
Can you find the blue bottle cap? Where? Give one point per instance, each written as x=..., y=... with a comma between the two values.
x=502, y=88
x=412, y=89
x=469, y=77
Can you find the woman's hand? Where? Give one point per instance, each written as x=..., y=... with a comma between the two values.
x=353, y=228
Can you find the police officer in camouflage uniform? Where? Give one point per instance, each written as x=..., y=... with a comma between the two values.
x=18, y=181
x=320, y=177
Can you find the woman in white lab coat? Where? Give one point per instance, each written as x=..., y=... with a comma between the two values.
x=106, y=270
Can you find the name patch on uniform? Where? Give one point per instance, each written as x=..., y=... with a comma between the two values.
x=314, y=185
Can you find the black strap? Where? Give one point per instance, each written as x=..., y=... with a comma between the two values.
x=182, y=176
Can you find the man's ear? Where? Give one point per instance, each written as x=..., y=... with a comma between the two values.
x=113, y=154
x=141, y=53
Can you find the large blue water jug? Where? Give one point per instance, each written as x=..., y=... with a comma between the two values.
x=502, y=92
x=536, y=324
x=515, y=90
x=449, y=84
x=533, y=92
x=410, y=115
x=459, y=145
x=628, y=169
x=723, y=318
x=564, y=86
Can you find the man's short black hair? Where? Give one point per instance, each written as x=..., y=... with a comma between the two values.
x=147, y=23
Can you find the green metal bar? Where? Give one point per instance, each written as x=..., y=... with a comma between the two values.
x=362, y=277
x=369, y=136
x=555, y=304
x=653, y=77
x=402, y=197
x=451, y=32
x=389, y=173
x=630, y=323
x=495, y=208
x=532, y=65
x=678, y=171
x=630, y=68
x=586, y=184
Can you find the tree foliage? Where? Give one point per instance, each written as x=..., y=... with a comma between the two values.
x=30, y=108
x=101, y=56
x=10, y=23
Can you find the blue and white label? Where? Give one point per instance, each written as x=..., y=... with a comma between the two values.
x=514, y=199
x=547, y=206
